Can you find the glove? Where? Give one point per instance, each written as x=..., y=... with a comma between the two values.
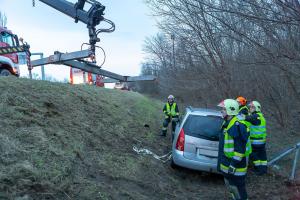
x=241, y=116
x=231, y=169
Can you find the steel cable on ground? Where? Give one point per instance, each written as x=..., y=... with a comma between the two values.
x=142, y=151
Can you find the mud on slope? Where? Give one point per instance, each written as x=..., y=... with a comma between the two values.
x=75, y=142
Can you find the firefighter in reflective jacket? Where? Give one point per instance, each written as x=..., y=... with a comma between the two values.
x=258, y=136
x=234, y=150
x=171, y=115
x=243, y=109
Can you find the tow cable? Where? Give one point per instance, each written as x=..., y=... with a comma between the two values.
x=164, y=158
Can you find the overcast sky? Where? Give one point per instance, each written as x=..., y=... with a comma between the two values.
x=48, y=30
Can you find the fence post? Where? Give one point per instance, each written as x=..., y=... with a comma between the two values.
x=295, y=162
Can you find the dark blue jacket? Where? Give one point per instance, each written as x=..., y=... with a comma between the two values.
x=253, y=118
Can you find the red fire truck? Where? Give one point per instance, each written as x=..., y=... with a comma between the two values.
x=78, y=76
x=9, y=63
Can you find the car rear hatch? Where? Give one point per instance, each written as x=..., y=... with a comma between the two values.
x=202, y=137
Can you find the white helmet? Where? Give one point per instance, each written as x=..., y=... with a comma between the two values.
x=256, y=105
x=231, y=106
x=171, y=97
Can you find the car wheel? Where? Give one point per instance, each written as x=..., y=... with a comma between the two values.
x=5, y=72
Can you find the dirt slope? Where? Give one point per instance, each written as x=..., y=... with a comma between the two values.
x=75, y=142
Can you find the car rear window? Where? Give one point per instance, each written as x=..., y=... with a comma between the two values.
x=206, y=127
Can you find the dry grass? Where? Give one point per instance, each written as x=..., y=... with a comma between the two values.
x=59, y=141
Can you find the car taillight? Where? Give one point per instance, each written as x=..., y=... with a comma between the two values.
x=180, y=141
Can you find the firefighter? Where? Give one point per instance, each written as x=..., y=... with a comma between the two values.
x=258, y=135
x=234, y=150
x=243, y=109
x=171, y=115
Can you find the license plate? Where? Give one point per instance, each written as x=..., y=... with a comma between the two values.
x=206, y=152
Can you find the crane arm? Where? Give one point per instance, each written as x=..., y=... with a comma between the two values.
x=91, y=18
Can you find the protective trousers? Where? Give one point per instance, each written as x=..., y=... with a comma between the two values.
x=165, y=125
x=236, y=186
x=259, y=159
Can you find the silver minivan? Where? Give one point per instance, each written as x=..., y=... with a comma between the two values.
x=196, y=140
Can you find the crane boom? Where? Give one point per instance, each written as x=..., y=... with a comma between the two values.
x=91, y=18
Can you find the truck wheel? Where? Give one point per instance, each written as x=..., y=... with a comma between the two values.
x=5, y=72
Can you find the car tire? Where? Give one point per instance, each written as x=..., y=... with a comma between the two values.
x=5, y=72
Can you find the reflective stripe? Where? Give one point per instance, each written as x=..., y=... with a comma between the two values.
x=263, y=162
x=228, y=149
x=237, y=158
x=229, y=141
x=256, y=132
x=257, y=126
x=239, y=154
x=256, y=162
x=238, y=171
x=258, y=141
x=260, y=162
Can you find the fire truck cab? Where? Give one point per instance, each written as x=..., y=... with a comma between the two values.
x=9, y=63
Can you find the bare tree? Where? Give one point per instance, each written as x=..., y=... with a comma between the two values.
x=229, y=48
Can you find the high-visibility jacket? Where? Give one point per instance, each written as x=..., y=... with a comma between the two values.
x=234, y=147
x=258, y=133
x=171, y=110
x=244, y=110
